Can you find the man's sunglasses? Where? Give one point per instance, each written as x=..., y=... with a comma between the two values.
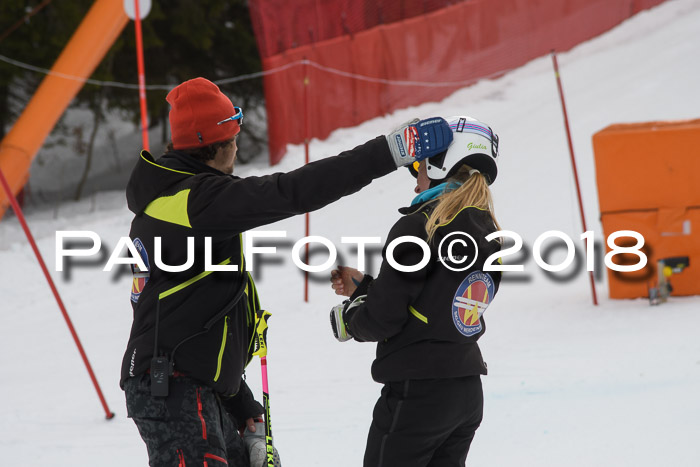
x=237, y=116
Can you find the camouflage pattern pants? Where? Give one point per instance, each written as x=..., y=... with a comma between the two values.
x=189, y=427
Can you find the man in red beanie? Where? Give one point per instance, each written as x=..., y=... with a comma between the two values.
x=193, y=323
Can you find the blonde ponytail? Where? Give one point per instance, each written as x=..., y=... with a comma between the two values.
x=474, y=191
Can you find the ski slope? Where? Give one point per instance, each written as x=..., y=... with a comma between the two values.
x=569, y=385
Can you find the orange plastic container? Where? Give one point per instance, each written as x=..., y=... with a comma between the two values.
x=649, y=181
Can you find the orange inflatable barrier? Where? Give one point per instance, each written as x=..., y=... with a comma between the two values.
x=649, y=181
x=89, y=44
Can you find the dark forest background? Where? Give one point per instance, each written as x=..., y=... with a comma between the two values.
x=183, y=39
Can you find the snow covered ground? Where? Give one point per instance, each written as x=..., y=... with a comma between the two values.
x=569, y=384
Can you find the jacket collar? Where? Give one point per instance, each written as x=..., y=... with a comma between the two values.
x=178, y=160
x=428, y=196
x=151, y=178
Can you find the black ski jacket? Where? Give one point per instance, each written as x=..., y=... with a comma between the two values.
x=205, y=320
x=427, y=322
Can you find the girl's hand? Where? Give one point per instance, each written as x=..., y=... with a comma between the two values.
x=345, y=280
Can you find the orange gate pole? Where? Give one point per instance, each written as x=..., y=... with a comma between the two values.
x=306, y=161
x=20, y=216
x=142, y=76
x=573, y=163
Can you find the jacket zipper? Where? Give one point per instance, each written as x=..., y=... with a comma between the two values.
x=253, y=307
x=221, y=350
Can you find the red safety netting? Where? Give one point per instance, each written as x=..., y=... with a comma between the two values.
x=355, y=74
x=281, y=25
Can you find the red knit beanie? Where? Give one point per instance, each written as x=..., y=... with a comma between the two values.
x=196, y=106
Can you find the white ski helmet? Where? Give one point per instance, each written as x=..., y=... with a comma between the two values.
x=474, y=144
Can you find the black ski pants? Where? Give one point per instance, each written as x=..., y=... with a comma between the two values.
x=189, y=427
x=421, y=423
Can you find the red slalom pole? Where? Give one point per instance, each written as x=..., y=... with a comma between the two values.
x=142, y=76
x=20, y=216
x=573, y=162
x=306, y=161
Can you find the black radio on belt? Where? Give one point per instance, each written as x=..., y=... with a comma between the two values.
x=160, y=373
x=161, y=367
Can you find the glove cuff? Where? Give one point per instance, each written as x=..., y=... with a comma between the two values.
x=398, y=151
x=340, y=330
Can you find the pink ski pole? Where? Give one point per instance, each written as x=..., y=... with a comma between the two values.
x=261, y=351
x=266, y=403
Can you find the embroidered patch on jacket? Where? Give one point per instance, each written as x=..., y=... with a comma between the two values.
x=140, y=277
x=470, y=301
